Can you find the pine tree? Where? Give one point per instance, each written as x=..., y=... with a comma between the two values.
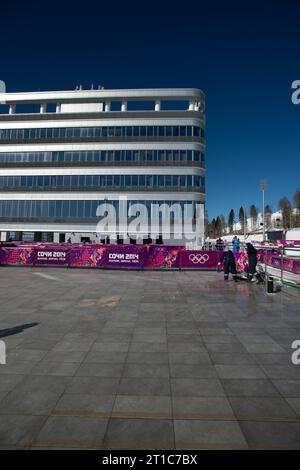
x=242, y=217
x=218, y=226
x=268, y=216
x=286, y=212
x=231, y=220
x=253, y=217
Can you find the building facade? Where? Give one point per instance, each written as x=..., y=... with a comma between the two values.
x=65, y=153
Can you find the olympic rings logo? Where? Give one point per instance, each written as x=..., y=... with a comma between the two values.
x=198, y=258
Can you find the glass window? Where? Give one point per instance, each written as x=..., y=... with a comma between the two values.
x=183, y=155
x=129, y=132
x=46, y=180
x=168, y=180
x=67, y=180
x=80, y=210
x=176, y=155
x=161, y=131
x=161, y=155
x=161, y=180
x=87, y=209
x=82, y=181
x=182, y=131
x=73, y=209
x=150, y=132
x=74, y=131
x=149, y=155
x=169, y=155
x=74, y=180
x=196, y=156
x=95, y=180
x=149, y=180
x=88, y=180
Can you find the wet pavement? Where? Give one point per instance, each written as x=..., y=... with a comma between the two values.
x=146, y=360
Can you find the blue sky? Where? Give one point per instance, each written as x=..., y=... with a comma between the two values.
x=244, y=55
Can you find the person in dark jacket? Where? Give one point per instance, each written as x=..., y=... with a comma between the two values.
x=252, y=261
x=229, y=265
x=219, y=244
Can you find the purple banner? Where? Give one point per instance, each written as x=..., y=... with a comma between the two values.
x=288, y=264
x=199, y=259
x=132, y=256
x=58, y=256
x=87, y=256
x=15, y=256
x=160, y=256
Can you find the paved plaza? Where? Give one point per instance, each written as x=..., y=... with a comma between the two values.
x=146, y=360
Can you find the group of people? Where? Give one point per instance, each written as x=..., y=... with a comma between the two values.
x=228, y=259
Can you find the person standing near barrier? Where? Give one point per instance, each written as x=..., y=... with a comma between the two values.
x=252, y=261
x=236, y=244
x=219, y=244
x=229, y=265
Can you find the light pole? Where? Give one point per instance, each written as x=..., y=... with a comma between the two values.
x=263, y=187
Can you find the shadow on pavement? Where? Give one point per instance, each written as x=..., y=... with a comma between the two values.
x=16, y=329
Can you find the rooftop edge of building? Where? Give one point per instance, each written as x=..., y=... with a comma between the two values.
x=71, y=96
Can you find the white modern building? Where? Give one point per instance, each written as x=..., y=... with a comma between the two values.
x=62, y=153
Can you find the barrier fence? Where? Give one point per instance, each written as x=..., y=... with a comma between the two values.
x=109, y=256
x=132, y=257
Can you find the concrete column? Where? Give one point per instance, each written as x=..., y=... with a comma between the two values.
x=124, y=106
x=3, y=236
x=56, y=237
x=43, y=108
x=157, y=105
x=12, y=109
x=58, y=107
x=191, y=106
x=107, y=106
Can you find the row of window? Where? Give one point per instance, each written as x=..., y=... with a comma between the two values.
x=116, y=131
x=102, y=156
x=101, y=181
x=75, y=209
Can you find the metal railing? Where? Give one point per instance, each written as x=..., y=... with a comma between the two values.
x=286, y=260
